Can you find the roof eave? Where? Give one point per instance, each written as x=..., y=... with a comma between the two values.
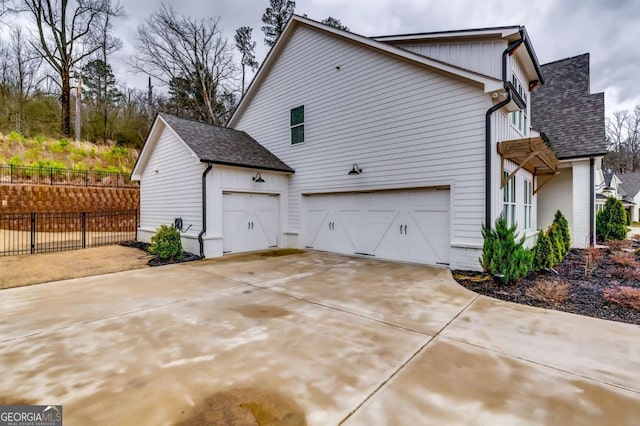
x=248, y=166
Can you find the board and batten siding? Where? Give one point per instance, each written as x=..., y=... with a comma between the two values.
x=484, y=57
x=404, y=125
x=174, y=190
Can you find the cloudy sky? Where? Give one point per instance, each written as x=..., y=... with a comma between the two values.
x=608, y=29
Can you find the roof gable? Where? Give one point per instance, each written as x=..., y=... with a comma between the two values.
x=211, y=144
x=489, y=84
x=631, y=183
x=565, y=110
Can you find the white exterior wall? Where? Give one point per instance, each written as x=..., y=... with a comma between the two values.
x=581, y=204
x=238, y=179
x=484, y=57
x=557, y=195
x=406, y=126
x=173, y=191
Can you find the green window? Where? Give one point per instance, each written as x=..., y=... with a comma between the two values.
x=297, y=125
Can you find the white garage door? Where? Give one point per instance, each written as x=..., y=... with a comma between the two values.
x=410, y=226
x=250, y=222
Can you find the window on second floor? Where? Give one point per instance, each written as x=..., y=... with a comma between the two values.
x=519, y=119
x=509, y=200
x=297, y=125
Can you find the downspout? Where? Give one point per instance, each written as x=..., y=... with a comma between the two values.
x=490, y=111
x=592, y=191
x=204, y=208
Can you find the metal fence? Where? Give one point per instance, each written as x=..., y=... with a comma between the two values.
x=66, y=177
x=30, y=233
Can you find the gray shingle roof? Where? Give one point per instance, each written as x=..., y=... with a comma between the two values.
x=631, y=183
x=565, y=110
x=222, y=145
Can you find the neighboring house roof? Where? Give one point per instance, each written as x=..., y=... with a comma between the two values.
x=565, y=110
x=631, y=183
x=489, y=84
x=216, y=144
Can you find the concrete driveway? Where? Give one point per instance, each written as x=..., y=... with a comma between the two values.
x=308, y=338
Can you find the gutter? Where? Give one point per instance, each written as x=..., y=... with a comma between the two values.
x=204, y=209
x=592, y=196
x=488, y=145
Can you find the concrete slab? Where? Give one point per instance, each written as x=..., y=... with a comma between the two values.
x=409, y=296
x=605, y=351
x=307, y=338
x=157, y=366
x=50, y=306
x=451, y=382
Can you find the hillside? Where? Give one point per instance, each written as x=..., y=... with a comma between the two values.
x=41, y=152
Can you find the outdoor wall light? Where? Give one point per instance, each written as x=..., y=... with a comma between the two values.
x=257, y=178
x=355, y=170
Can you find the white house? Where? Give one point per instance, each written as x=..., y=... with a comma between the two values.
x=402, y=147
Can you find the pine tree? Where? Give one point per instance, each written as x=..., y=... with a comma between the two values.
x=246, y=47
x=563, y=224
x=502, y=254
x=335, y=23
x=542, y=253
x=275, y=18
x=557, y=244
x=611, y=221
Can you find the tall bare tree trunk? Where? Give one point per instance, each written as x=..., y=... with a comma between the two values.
x=79, y=109
x=65, y=103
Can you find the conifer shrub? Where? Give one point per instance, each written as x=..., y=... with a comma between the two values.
x=502, y=254
x=557, y=243
x=542, y=253
x=563, y=224
x=611, y=221
x=165, y=243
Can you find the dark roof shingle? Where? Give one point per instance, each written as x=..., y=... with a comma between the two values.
x=565, y=110
x=631, y=183
x=223, y=145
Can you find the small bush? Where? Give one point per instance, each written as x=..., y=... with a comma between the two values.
x=618, y=245
x=48, y=164
x=624, y=259
x=543, y=257
x=15, y=137
x=624, y=272
x=557, y=243
x=594, y=256
x=549, y=291
x=39, y=140
x=15, y=161
x=502, y=254
x=611, y=221
x=563, y=226
x=166, y=243
x=59, y=147
x=627, y=297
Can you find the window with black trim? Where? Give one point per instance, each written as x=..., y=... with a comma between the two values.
x=519, y=118
x=509, y=200
x=297, y=125
x=528, y=204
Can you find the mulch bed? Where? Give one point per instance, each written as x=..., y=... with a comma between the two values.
x=585, y=288
x=155, y=260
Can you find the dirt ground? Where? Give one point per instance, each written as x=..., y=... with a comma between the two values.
x=16, y=271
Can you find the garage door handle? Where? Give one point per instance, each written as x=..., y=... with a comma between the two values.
x=401, y=229
x=251, y=225
x=405, y=230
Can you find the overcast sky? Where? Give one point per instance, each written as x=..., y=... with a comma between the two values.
x=608, y=29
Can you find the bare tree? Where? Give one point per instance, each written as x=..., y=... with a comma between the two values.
x=25, y=63
x=246, y=47
x=174, y=48
x=67, y=32
x=623, y=138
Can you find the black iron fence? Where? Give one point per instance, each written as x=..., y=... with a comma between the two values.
x=66, y=177
x=30, y=233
